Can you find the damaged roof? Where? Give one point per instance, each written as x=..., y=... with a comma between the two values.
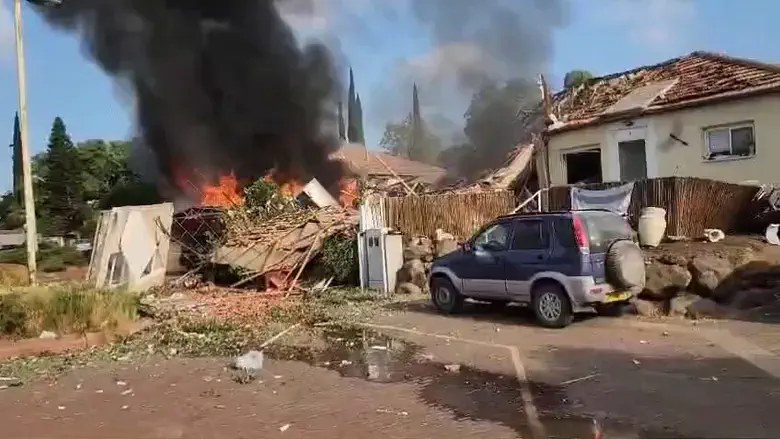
x=376, y=163
x=692, y=80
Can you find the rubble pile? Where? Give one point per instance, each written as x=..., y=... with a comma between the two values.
x=267, y=241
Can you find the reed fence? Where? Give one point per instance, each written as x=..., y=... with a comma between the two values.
x=457, y=213
x=692, y=204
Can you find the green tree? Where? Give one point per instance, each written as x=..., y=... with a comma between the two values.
x=359, y=135
x=16, y=154
x=11, y=212
x=351, y=110
x=576, y=77
x=397, y=139
x=104, y=165
x=62, y=190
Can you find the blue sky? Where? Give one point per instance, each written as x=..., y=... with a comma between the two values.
x=602, y=36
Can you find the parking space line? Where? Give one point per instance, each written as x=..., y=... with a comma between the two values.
x=529, y=407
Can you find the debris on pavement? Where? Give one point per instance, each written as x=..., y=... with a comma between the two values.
x=576, y=380
x=454, y=368
x=252, y=361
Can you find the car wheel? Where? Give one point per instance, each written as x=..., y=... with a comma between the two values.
x=552, y=306
x=445, y=297
x=612, y=309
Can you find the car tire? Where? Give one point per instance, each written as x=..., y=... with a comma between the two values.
x=445, y=297
x=552, y=306
x=612, y=309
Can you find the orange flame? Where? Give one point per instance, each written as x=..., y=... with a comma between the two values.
x=226, y=193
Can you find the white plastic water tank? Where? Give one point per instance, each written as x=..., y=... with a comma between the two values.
x=381, y=256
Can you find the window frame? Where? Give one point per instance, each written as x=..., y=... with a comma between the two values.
x=510, y=232
x=709, y=157
x=546, y=234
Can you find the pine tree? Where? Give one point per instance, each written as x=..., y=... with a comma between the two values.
x=359, y=136
x=352, y=134
x=62, y=191
x=415, y=137
x=342, y=126
x=16, y=153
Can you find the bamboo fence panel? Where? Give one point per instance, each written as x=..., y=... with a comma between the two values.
x=692, y=204
x=457, y=213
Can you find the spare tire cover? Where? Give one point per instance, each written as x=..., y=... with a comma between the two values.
x=625, y=265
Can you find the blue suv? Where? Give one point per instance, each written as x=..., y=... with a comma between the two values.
x=559, y=263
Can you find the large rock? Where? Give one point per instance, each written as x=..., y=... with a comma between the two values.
x=666, y=281
x=678, y=306
x=708, y=272
x=413, y=271
x=419, y=247
x=754, y=298
x=707, y=308
x=408, y=288
x=445, y=246
x=646, y=308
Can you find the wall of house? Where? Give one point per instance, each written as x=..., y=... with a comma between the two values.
x=668, y=157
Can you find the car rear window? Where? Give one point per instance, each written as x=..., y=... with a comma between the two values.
x=604, y=228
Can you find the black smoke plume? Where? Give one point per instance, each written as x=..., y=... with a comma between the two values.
x=218, y=85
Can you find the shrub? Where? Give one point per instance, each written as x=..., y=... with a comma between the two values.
x=13, y=315
x=340, y=258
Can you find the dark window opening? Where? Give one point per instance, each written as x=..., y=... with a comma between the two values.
x=583, y=167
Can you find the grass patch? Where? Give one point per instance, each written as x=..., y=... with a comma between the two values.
x=51, y=258
x=64, y=308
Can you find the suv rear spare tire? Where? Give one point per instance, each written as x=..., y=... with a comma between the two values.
x=625, y=265
x=445, y=297
x=551, y=305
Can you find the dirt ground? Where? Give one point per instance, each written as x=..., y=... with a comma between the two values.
x=417, y=374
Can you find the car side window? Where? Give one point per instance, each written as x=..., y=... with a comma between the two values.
x=495, y=237
x=530, y=235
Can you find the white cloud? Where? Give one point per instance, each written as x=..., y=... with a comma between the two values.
x=654, y=24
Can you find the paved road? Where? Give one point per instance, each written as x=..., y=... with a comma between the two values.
x=417, y=374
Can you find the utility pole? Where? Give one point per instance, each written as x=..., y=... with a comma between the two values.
x=29, y=199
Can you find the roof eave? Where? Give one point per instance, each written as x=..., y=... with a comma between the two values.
x=652, y=110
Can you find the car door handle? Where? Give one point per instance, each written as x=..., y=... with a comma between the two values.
x=540, y=257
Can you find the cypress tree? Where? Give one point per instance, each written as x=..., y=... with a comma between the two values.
x=352, y=134
x=342, y=126
x=359, y=136
x=16, y=153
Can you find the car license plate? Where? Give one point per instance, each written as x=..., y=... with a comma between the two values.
x=617, y=296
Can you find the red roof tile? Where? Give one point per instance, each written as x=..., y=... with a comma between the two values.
x=370, y=163
x=695, y=79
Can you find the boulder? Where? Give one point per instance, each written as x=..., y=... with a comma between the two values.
x=754, y=298
x=672, y=259
x=709, y=271
x=413, y=271
x=646, y=308
x=678, y=306
x=666, y=281
x=419, y=247
x=408, y=288
x=706, y=308
x=445, y=246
